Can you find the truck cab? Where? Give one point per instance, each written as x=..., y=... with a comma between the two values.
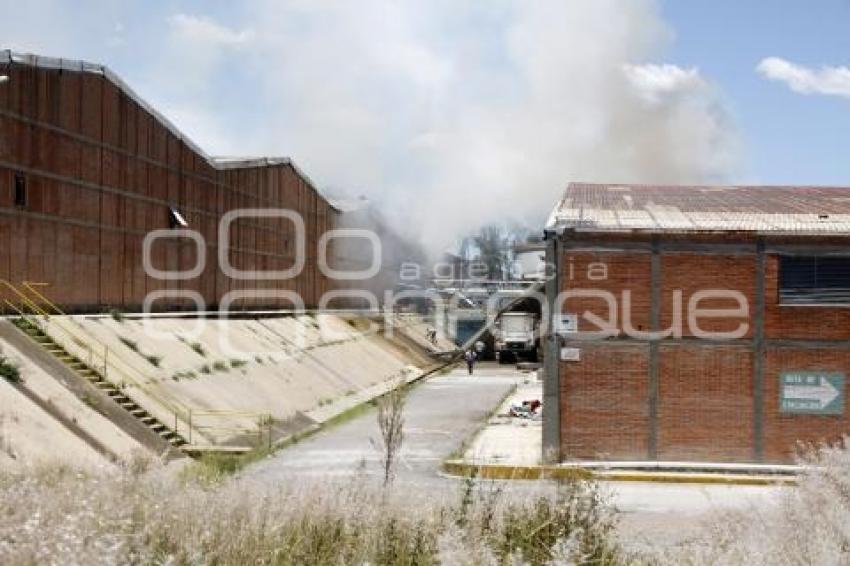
x=516, y=336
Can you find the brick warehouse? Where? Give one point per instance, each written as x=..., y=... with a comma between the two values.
x=87, y=168
x=775, y=381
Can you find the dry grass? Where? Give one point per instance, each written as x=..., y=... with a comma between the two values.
x=144, y=515
x=808, y=525
x=56, y=515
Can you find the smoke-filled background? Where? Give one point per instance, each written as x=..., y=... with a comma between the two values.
x=446, y=115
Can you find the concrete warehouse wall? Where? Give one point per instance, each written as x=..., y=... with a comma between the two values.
x=298, y=369
x=629, y=398
x=101, y=171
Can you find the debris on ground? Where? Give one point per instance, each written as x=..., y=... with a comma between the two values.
x=526, y=410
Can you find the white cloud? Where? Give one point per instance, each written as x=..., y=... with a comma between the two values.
x=826, y=80
x=656, y=82
x=206, y=30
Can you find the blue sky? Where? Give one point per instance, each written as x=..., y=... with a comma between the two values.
x=454, y=113
x=789, y=137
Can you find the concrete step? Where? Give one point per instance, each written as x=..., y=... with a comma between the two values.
x=114, y=393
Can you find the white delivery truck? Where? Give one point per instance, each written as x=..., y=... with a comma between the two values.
x=516, y=336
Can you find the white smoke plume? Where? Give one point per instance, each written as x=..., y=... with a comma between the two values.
x=448, y=115
x=450, y=131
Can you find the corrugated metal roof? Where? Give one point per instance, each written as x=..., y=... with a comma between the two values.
x=796, y=210
x=8, y=56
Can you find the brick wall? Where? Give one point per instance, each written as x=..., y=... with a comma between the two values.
x=705, y=390
x=604, y=410
x=693, y=272
x=705, y=406
x=800, y=322
x=624, y=272
x=786, y=433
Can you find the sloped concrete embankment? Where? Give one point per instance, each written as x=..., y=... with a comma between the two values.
x=242, y=382
x=47, y=416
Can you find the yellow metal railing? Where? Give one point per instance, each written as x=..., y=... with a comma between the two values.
x=98, y=355
x=102, y=359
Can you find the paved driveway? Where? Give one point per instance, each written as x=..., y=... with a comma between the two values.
x=440, y=414
x=444, y=411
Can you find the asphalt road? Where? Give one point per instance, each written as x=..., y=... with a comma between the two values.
x=440, y=414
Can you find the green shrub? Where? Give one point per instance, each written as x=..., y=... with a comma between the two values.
x=220, y=366
x=130, y=344
x=88, y=400
x=199, y=349
x=9, y=370
x=213, y=468
x=154, y=360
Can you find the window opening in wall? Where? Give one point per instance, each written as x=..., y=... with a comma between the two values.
x=814, y=280
x=20, y=190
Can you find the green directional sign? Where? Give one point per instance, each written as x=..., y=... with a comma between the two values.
x=811, y=392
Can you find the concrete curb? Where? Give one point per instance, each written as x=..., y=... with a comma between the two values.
x=461, y=468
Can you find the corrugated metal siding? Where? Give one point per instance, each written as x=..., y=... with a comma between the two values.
x=101, y=171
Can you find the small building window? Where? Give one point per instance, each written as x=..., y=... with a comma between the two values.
x=20, y=190
x=814, y=280
x=175, y=219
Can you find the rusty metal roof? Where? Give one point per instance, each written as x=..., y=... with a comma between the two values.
x=794, y=210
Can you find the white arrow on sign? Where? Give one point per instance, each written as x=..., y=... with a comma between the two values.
x=825, y=393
